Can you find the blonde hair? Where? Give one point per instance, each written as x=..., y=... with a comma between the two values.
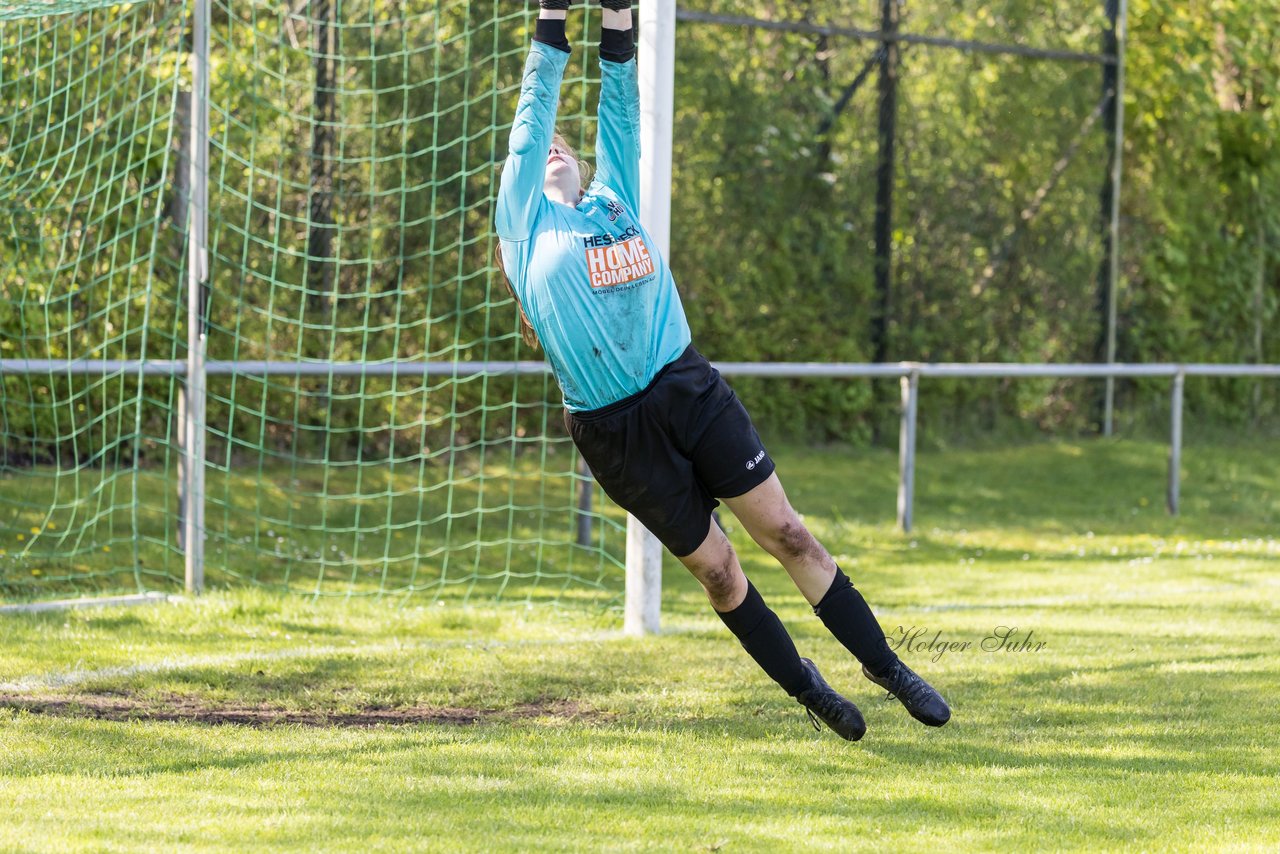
x=526, y=328
x=527, y=333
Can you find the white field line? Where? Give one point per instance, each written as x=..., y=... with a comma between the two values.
x=65, y=678
x=1103, y=598
x=90, y=602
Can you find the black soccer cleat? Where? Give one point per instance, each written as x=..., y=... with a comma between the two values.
x=822, y=703
x=921, y=700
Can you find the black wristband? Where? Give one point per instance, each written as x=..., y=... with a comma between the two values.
x=617, y=45
x=557, y=5
x=550, y=32
x=616, y=5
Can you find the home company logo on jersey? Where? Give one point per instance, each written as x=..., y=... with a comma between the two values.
x=619, y=263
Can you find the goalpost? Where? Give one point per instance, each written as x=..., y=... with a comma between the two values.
x=656, y=60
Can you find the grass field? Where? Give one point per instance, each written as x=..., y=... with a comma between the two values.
x=1147, y=720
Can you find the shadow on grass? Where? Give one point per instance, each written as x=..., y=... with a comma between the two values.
x=605, y=771
x=1209, y=710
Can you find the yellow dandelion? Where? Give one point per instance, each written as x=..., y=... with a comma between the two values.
x=51, y=526
x=21, y=537
x=106, y=548
x=35, y=530
x=36, y=572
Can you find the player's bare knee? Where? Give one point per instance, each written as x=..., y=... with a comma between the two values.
x=720, y=580
x=791, y=541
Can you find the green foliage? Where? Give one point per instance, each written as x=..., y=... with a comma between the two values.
x=1202, y=195
x=997, y=222
x=997, y=219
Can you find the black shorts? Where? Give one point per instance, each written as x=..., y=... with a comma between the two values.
x=667, y=453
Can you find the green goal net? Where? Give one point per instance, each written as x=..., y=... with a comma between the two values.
x=353, y=154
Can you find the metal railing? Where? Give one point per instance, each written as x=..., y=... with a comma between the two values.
x=908, y=373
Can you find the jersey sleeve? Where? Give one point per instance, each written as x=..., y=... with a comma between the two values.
x=618, y=136
x=520, y=188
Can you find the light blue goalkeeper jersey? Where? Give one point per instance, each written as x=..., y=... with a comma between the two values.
x=591, y=281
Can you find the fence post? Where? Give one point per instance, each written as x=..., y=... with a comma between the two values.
x=1114, y=39
x=887, y=103
x=1175, y=442
x=193, y=408
x=910, y=386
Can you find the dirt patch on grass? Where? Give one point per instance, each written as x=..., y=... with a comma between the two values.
x=125, y=707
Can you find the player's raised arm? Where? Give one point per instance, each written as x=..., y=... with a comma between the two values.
x=618, y=137
x=520, y=189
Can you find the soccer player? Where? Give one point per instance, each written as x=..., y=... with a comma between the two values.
x=663, y=434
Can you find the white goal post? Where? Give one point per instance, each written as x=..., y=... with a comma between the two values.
x=657, y=52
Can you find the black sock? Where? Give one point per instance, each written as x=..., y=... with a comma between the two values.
x=847, y=616
x=766, y=640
